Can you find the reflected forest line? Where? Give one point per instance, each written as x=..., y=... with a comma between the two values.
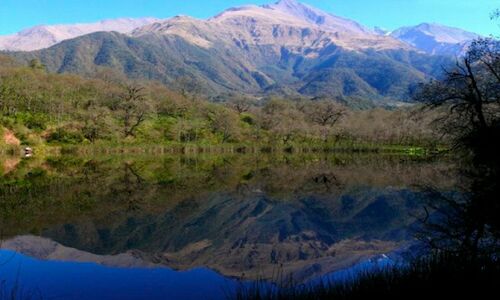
x=458, y=253
x=205, y=210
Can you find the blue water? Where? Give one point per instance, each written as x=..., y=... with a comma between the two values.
x=157, y=206
x=88, y=281
x=45, y=279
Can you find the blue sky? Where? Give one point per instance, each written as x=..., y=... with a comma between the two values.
x=472, y=15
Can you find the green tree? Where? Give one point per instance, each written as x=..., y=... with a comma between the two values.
x=36, y=64
x=224, y=122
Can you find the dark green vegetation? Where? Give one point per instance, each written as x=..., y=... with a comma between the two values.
x=41, y=108
x=461, y=236
x=441, y=275
x=228, y=68
x=237, y=213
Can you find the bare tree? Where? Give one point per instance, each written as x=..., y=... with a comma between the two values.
x=470, y=91
x=324, y=113
x=135, y=108
x=224, y=122
x=240, y=104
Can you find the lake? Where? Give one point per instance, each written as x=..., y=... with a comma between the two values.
x=199, y=226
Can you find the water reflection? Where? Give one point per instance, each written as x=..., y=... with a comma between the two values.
x=243, y=216
x=49, y=279
x=468, y=224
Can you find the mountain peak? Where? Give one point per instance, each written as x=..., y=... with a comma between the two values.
x=381, y=31
x=441, y=33
x=316, y=16
x=288, y=3
x=435, y=38
x=294, y=7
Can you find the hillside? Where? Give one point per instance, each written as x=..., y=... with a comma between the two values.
x=287, y=49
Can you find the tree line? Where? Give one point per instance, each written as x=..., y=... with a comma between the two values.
x=69, y=109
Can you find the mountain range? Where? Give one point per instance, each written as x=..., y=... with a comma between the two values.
x=44, y=36
x=286, y=48
x=435, y=38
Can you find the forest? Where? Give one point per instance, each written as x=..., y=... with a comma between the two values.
x=45, y=109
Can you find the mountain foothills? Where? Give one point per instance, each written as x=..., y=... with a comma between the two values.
x=287, y=49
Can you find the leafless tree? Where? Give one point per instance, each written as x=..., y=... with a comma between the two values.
x=325, y=113
x=224, y=122
x=470, y=90
x=135, y=108
x=240, y=104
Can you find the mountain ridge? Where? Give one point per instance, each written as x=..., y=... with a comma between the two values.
x=45, y=36
x=256, y=50
x=435, y=39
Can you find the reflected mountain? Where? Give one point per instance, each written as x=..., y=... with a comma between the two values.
x=241, y=215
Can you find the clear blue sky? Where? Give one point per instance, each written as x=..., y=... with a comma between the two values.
x=472, y=15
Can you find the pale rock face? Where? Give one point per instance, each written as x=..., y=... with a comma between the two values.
x=435, y=38
x=287, y=23
x=44, y=36
x=318, y=17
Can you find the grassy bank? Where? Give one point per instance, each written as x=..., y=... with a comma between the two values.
x=105, y=148
x=442, y=275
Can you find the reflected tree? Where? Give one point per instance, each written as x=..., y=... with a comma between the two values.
x=468, y=225
x=471, y=94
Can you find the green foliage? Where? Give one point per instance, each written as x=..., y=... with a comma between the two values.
x=36, y=64
x=369, y=74
x=68, y=109
x=64, y=136
x=248, y=119
x=37, y=122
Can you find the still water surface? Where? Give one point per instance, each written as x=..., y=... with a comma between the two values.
x=180, y=227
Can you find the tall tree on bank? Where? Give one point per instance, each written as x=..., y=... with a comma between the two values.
x=471, y=94
x=134, y=107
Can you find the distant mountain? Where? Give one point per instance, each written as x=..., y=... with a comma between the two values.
x=315, y=16
x=435, y=38
x=381, y=31
x=287, y=48
x=44, y=36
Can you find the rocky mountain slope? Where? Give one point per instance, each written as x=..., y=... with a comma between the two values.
x=287, y=48
x=236, y=215
x=254, y=234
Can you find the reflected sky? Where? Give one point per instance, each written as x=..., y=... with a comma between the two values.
x=88, y=281
x=122, y=225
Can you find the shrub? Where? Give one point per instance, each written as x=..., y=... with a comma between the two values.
x=65, y=137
